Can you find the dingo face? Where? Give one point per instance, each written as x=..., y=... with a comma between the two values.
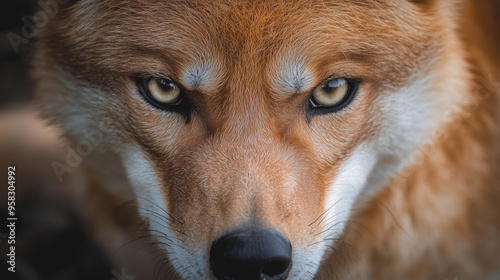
x=248, y=129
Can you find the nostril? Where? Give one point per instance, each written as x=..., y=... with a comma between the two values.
x=251, y=254
x=276, y=268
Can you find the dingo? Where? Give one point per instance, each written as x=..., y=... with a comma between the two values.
x=287, y=139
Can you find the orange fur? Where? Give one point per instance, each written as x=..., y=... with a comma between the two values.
x=248, y=153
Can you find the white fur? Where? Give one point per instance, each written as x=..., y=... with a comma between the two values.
x=407, y=121
x=190, y=263
x=344, y=191
x=204, y=74
x=293, y=75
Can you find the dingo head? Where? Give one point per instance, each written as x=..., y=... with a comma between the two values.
x=249, y=129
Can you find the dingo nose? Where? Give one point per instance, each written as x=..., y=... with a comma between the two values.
x=251, y=255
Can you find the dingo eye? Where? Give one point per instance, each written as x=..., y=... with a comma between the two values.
x=162, y=93
x=333, y=95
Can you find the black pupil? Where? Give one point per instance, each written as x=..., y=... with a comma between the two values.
x=332, y=85
x=166, y=85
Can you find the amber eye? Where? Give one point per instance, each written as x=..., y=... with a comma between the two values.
x=331, y=96
x=331, y=93
x=164, y=94
x=163, y=91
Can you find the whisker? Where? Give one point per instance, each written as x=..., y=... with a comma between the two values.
x=332, y=220
x=158, y=215
x=163, y=210
x=323, y=214
x=158, y=234
x=161, y=261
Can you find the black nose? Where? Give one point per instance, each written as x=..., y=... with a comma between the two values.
x=251, y=255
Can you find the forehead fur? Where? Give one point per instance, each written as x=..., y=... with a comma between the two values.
x=124, y=38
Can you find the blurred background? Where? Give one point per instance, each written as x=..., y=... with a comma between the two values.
x=53, y=240
x=15, y=87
